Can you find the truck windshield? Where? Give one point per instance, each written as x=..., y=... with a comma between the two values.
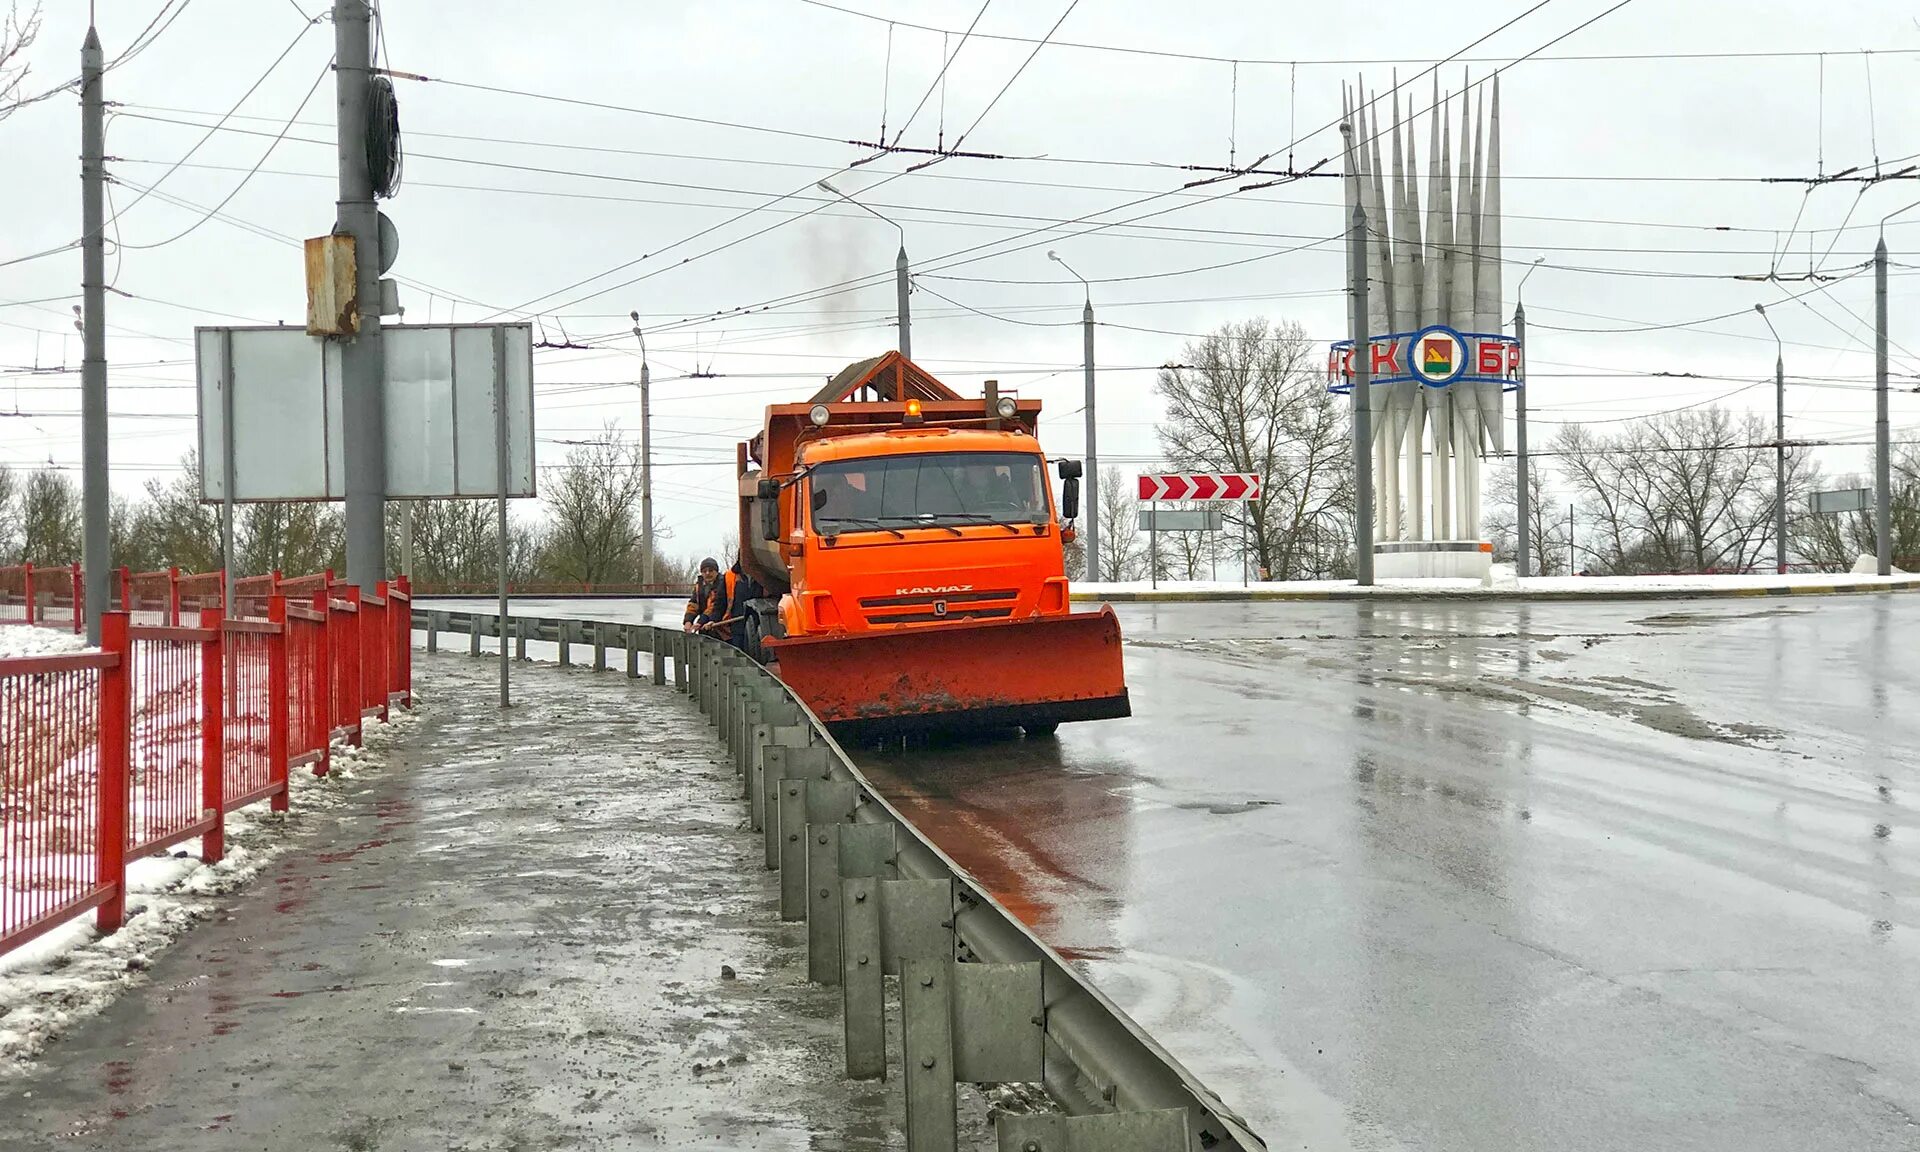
x=936, y=490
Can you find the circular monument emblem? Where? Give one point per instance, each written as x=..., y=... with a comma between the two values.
x=1438, y=355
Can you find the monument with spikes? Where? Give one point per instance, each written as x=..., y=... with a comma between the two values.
x=1439, y=359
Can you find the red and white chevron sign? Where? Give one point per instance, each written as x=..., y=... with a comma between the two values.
x=1200, y=486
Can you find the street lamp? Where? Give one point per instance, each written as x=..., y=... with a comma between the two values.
x=646, y=456
x=1779, y=444
x=1093, y=454
x=899, y=267
x=1521, y=554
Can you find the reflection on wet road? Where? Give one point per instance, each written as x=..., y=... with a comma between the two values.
x=1490, y=876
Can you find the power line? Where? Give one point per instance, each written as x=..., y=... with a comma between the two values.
x=1200, y=57
x=1075, y=186
x=211, y=212
x=244, y=96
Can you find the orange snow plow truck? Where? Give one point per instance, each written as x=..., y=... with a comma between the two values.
x=912, y=560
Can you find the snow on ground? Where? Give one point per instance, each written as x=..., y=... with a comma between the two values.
x=72, y=972
x=32, y=640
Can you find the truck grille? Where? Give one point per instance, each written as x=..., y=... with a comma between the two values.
x=925, y=608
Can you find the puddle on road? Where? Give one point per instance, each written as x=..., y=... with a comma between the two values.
x=1620, y=696
x=1696, y=619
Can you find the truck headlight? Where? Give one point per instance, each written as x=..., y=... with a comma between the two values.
x=819, y=415
x=1007, y=407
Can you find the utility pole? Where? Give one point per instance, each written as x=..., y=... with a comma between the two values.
x=1882, y=449
x=1362, y=406
x=1779, y=445
x=96, y=545
x=362, y=369
x=1573, y=566
x=900, y=285
x=1092, y=463
x=646, y=457
x=1523, y=493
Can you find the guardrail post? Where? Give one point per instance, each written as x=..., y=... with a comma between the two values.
x=79, y=600
x=277, y=714
x=213, y=727
x=793, y=859
x=862, y=985
x=26, y=589
x=658, y=651
x=474, y=627
x=632, y=635
x=599, y=646
x=519, y=638
x=766, y=768
x=829, y=805
x=126, y=588
x=926, y=1012
x=116, y=731
x=173, y=597
x=563, y=635
x=680, y=661
x=866, y=857
x=433, y=631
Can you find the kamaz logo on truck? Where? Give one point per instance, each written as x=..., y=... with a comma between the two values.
x=934, y=590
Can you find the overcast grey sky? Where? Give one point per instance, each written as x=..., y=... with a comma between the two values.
x=1636, y=178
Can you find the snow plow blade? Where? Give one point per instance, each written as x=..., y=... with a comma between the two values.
x=1037, y=672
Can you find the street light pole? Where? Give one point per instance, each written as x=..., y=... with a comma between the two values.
x=901, y=268
x=362, y=368
x=1882, y=446
x=1522, y=493
x=1092, y=468
x=646, y=457
x=96, y=541
x=1779, y=445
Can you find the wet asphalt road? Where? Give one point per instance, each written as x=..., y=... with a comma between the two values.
x=1457, y=877
x=1548, y=877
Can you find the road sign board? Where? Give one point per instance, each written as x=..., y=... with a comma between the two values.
x=1843, y=500
x=1183, y=520
x=281, y=388
x=1200, y=486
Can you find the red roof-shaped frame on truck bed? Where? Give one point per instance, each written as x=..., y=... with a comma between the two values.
x=888, y=376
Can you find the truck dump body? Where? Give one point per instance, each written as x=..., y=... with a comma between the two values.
x=913, y=553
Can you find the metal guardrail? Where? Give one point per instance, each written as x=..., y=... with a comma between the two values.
x=982, y=998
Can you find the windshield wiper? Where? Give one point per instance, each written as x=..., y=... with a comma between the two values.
x=867, y=521
x=1012, y=526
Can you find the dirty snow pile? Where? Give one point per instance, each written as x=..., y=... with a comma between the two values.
x=33, y=640
x=72, y=972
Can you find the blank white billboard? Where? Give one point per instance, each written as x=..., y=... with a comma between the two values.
x=442, y=385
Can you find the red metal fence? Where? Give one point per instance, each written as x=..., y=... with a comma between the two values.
x=107, y=756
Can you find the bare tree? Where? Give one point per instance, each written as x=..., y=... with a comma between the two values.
x=1688, y=491
x=50, y=519
x=295, y=538
x=593, y=504
x=1123, y=553
x=17, y=34
x=1254, y=401
x=173, y=527
x=9, y=516
x=1546, y=527
x=1832, y=542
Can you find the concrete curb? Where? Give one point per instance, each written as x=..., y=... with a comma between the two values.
x=1285, y=595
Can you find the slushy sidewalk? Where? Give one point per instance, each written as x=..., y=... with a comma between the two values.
x=539, y=929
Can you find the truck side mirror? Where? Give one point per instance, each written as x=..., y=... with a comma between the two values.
x=1071, y=469
x=769, y=494
x=1070, y=496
